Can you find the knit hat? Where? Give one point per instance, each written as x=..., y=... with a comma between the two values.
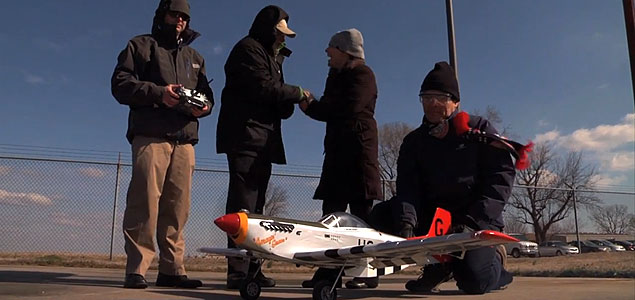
x=442, y=78
x=349, y=41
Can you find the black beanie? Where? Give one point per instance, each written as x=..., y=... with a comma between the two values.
x=442, y=78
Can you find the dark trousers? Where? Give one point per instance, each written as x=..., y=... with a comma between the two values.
x=248, y=180
x=480, y=271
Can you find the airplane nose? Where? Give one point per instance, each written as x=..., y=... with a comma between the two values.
x=229, y=223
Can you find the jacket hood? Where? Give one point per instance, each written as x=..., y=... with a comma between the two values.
x=263, y=29
x=161, y=30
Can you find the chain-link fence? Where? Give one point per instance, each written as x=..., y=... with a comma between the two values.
x=52, y=205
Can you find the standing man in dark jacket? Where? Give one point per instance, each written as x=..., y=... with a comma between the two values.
x=472, y=180
x=162, y=134
x=254, y=102
x=350, y=172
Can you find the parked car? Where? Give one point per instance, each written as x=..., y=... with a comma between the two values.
x=626, y=244
x=556, y=248
x=523, y=247
x=612, y=246
x=588, y=246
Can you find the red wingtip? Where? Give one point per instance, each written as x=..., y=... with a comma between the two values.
x=461, y=123
x=523, y=161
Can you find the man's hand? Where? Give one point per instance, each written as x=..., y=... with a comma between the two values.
x=406, y=230
x=170, y=98
x=308, y=98
x=199, y=112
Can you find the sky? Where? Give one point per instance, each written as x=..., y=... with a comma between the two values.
x=557, y=71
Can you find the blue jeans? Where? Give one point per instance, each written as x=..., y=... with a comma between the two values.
x=480, y=271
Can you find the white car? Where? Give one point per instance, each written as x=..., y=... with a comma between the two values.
x=556, y=248
x=523, y=247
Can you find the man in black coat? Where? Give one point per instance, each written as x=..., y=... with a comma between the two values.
x=253, y=103
x=439, y=168
x=163, y=134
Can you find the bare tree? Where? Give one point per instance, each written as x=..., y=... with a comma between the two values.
x=613, y=219
x=494, y=117
x=542, y=208
x=512, y=223
x=276, y=201
x=390, y=137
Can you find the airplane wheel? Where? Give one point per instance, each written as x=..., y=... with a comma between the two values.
x=250, y=290
x=322, y=290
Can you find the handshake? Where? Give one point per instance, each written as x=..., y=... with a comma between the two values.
x=306, y=100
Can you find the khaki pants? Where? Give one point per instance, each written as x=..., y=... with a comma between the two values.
x=158, y=202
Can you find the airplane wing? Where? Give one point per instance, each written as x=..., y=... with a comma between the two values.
x=234, y=252
x=407, y=252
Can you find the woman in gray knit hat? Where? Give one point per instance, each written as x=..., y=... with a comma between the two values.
x=350, y=172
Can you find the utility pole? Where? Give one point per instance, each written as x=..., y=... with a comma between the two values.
x=629, y=16
x=449, y=11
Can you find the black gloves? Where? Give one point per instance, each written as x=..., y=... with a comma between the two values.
x=405, y=230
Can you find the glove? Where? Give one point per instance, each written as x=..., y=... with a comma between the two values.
x=405, y=230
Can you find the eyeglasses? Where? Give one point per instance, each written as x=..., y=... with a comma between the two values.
x=430, y=97
x=178, y=14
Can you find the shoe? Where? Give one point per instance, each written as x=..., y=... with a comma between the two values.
x=234, y=280
x=433, y=276
x=264, y=281
x=180, y=281
x=135, y=281
x=362, y=283
x=504, y=280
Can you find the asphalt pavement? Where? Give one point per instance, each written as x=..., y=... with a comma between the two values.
x=35, y=282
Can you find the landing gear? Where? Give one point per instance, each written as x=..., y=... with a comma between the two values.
x=324, y=290
x=250, y=289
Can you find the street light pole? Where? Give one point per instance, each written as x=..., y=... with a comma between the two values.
x=575, y=217
x=449, y=11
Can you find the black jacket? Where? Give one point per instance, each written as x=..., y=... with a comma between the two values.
x=255, y=98
x=471, y=180
x=149, y=63
x=350, y=169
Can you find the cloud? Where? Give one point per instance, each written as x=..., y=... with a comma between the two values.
x=600, y=138
x=33, y=79
x=7, y=197
x=618, y=161
x=92, y=172
x=603, y=86
x=543, y=123
x=604, y=180
x=63, y=219
x=547, y=136
x=218, y=49
x=48, y=44
x=4, y=170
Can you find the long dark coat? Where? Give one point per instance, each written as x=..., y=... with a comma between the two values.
x=350, y=170
x=256, y=98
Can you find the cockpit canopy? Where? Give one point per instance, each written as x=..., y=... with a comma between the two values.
x=342, y=219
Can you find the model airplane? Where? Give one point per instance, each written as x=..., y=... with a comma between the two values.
x=345, y=242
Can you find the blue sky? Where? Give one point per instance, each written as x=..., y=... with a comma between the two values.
x=556, y=70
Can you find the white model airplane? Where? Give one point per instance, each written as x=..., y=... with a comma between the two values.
x=345, y=242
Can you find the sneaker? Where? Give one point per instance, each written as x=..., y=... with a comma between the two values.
x=433, y=276
x=180, y=281
x=362, y=283
x=135, y=281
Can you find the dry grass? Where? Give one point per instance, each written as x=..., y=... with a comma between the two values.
x=583, y=265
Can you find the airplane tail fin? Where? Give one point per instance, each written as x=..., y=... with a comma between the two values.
x=440, y=224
